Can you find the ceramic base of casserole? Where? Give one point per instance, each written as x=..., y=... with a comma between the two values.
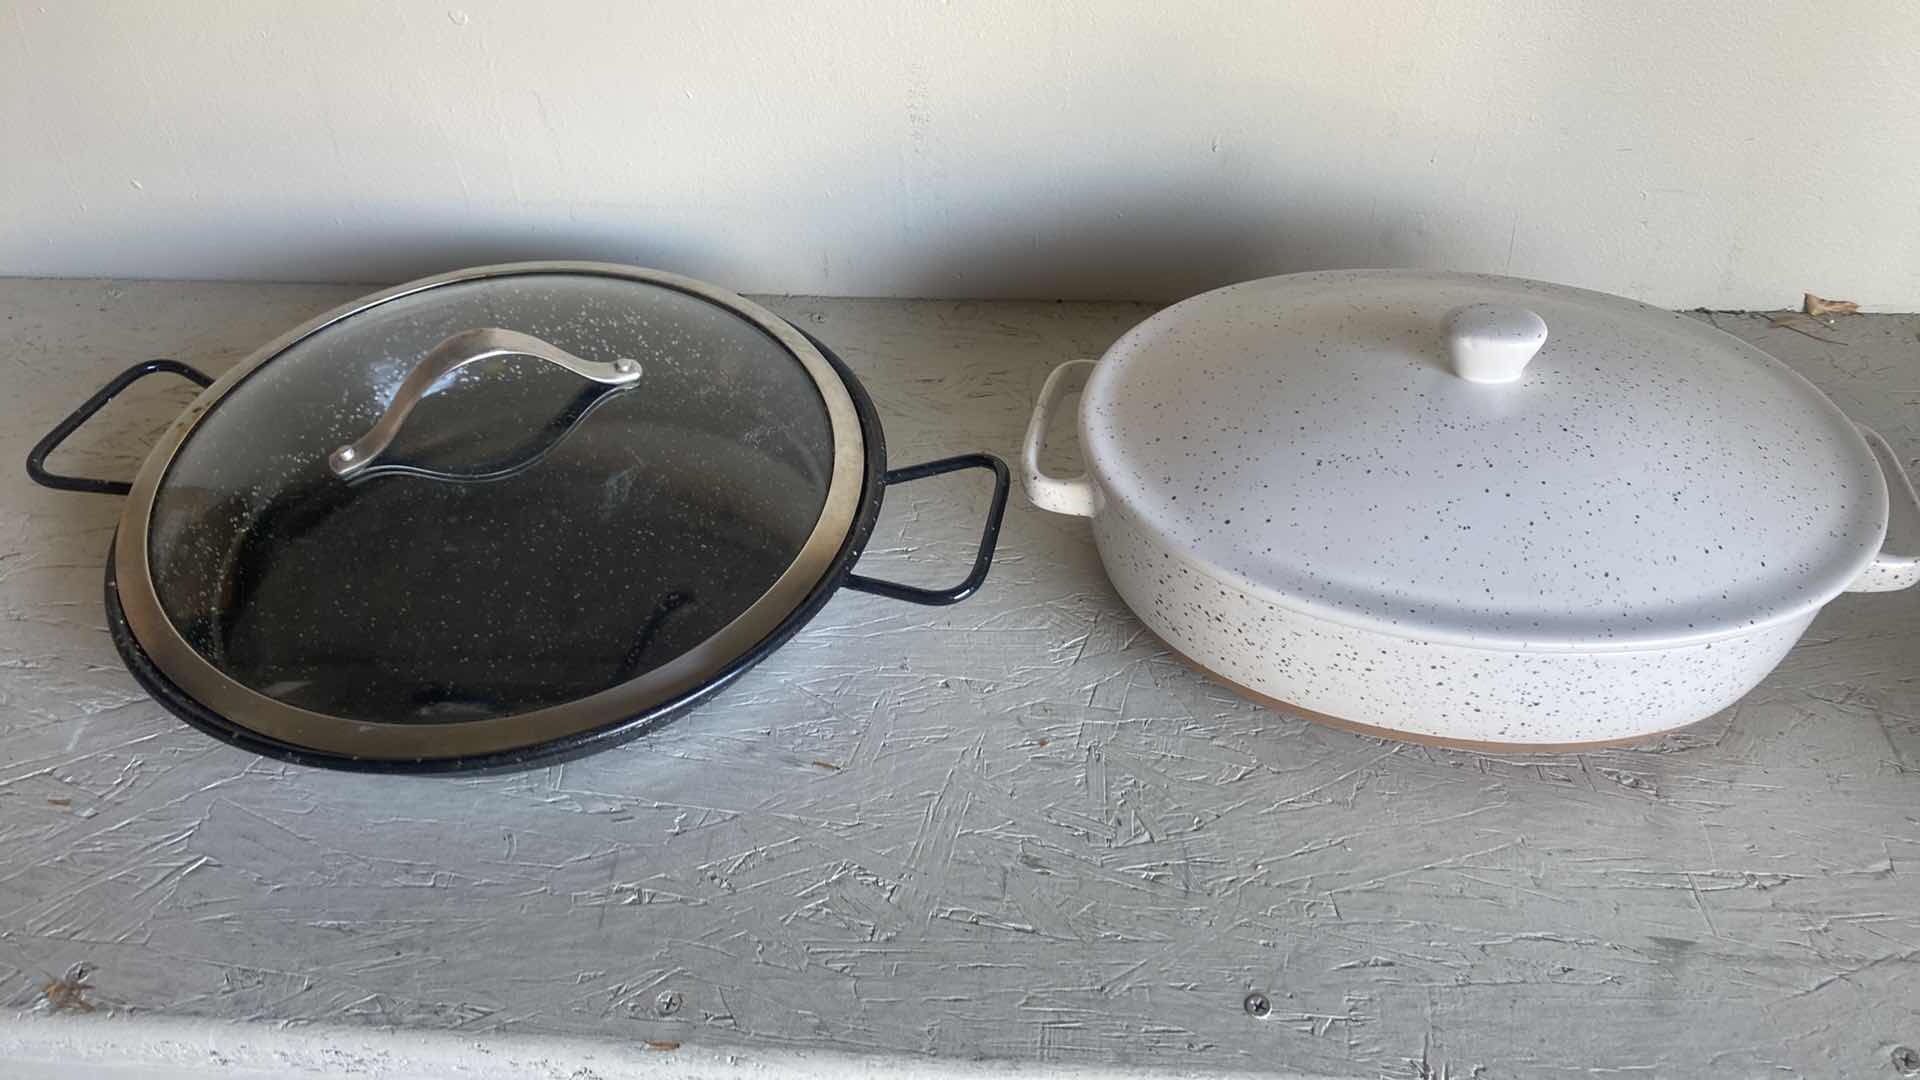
x=1442, y=742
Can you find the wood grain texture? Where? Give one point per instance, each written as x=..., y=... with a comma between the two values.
x=1016, y=828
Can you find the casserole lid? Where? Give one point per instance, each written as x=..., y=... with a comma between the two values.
x=1482, y=459
x=484, y=512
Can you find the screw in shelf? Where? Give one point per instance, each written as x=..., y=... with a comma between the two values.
x=1257, y=1005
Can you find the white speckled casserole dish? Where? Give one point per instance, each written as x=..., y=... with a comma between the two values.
x=1472, y=509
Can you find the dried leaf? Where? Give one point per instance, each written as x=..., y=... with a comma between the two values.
x=69, y=994
x=1818, y=306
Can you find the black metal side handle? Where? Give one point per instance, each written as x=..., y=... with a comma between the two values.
x=37, y=457
x=989, y=536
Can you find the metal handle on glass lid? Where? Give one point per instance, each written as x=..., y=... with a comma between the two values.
x=453, y=354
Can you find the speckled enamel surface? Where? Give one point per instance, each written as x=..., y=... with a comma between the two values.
x=1423, y=687
x=1648, y=481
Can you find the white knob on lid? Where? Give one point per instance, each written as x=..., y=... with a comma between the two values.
x=1491, y=343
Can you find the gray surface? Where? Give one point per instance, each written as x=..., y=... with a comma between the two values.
x=1012, y=828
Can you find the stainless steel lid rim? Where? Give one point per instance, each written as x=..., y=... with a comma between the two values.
x=549, y=752
x=851, y=501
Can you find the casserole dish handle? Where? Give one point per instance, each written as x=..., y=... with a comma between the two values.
x=1060, y=494
x=1897, y=566
x=37, y=457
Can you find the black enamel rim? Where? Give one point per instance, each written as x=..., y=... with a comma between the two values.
x=563, y=748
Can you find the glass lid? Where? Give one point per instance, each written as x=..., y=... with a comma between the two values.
x=1483, y=459
x=489, y=510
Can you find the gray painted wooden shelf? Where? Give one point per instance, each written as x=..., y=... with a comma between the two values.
x=1013, y=829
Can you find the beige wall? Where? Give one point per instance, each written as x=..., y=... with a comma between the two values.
x=1725, y=154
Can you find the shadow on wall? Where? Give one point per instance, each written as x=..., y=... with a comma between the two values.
x=1107, y=247
x=1080, y=223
